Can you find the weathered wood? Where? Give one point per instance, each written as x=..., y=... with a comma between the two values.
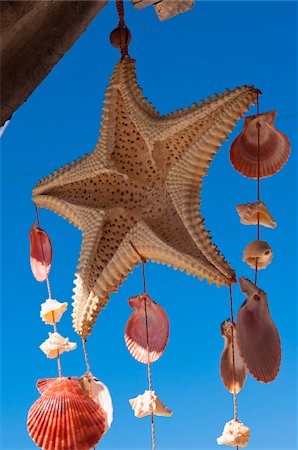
x=165, y=9
x=34, y=37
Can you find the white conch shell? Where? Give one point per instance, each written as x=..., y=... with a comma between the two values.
x=257, y=251
x=52, y=310
x=248, y=213
x=235, y=434
x=100, y=394
x=226, y=360
x=56, y=344
x=148, y=403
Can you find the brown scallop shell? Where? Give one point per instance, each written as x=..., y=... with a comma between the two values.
x=226, y=360
x=64, y=417
x=40, y=253
x=135, y=331
x=274, y=147
x=257, y=336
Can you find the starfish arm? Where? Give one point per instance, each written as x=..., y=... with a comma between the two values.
x=184, y=178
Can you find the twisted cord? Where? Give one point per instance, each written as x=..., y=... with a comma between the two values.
x=233, y=353
x=258, y=184
x=123, y=28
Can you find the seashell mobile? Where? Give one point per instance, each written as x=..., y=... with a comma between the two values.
x=135, y=198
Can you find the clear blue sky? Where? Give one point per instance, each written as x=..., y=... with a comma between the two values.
x=185, y=59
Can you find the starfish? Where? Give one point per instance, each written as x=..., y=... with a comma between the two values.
x=137, y=194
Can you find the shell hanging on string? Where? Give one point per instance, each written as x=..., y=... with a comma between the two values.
x=40, y=253
x=226, y=361
x=100, y=394
x=249, y=212
x=257, y=336
x=148, y=403
x=257, y=252
x=235, y=434
x=64, y=417
x=135, y=331
x=274, y=147
x=52, y=311
x=56, y=344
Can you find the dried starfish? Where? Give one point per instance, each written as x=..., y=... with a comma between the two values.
x=138, y=191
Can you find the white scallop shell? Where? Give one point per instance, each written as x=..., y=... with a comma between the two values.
x=52, y=311
x=56, y=344
x=100, y=394
x=148, y=403
x=257, y=252
x=235, y=434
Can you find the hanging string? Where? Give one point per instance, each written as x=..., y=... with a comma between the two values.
x=49, y=290
x=124, y=32
x=258, y=183
x=233, y=359
x=86, y=354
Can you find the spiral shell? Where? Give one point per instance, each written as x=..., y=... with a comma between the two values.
x=135, y=331
x=148, y=403
x=40, y=253
x=235, y=434
x=64, y=417
x=257, y=252
x=251, y=213
x=274, y=147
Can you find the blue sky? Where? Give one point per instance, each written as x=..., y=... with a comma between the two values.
x=185, y=59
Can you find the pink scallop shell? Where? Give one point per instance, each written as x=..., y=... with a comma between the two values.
x=274, y=147
x=40, y=253
x=257, y=336
x=135, y=331
x=64, y=417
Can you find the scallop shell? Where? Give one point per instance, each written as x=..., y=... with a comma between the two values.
x=235, y=434
x=249, y=213
x=274, y=147
x=52, y=311
x=257, y=336
x=135, y=331
x=100, y=394
x=257, y=252
x=65, y=418
x=148, y=403
x=226, y=361
x=40, y=253
x=56, y=344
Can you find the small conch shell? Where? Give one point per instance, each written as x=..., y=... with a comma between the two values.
x=148, y=403
x=249, y=212
x=100, y=394
x=64, y=417
x=257, y=336
x=257, y=252
x=274, y=147
x=135, y=331
x=235, y=434
x=40, y=253
x=226, y=360
x=52, y=310
x=56, y=344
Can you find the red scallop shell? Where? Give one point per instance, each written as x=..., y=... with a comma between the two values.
x=64, y=417
x=135, y=331
x=257, y=336
x=40, y=253
x=274, y=147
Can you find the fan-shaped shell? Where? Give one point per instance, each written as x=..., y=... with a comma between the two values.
x=249, y=212
x=52, y=311
x=235, y=434
x=274, y=147
x=257, y=252
x=40, y=253
x=65, y=418
x=135, y=331
x=257, y=336
x=226, y=360
x=100, y=394
x=148, y=403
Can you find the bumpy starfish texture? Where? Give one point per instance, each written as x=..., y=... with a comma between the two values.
x=138, y=192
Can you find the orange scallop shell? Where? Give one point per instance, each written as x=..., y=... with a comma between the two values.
x=274, y=147
x=40, y=253
x=135, y=331
x=64, y=417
